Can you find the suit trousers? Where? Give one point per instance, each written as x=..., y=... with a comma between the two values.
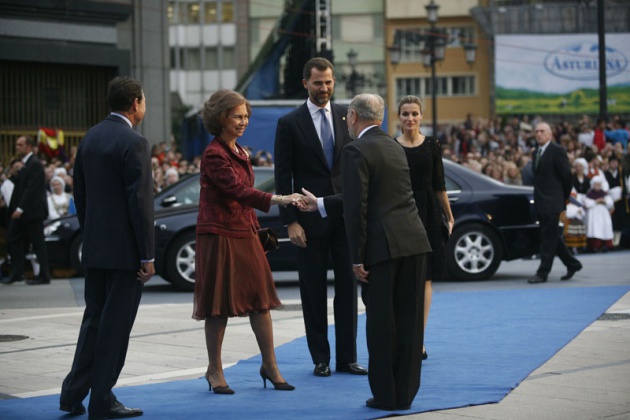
x=312, y=271
x=394, y=329
x=112, y=298
x=551, y=244
x=21, y=233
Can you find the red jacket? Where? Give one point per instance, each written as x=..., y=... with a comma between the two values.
x=227, y=198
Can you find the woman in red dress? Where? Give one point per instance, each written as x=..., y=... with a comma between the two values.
x=232, y=276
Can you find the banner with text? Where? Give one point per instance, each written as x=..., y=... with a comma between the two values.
x=559, y=74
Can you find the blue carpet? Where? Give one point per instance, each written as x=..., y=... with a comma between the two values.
x=481, y=345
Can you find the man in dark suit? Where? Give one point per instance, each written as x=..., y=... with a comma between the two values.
x=388, y=244
x=113, y=192
x=552, y=187
x=307, y=149
x=28, y=209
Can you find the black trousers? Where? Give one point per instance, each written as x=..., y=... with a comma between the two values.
x=551, y=245
x=112, y=298
x=312, y=271
x=21, y=233
x=395, y=333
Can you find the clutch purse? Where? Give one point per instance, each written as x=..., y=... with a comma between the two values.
x=445, y=233
x=268, y=239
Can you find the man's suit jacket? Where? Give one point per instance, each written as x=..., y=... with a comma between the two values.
x=382, y=221
x=113, y=192
x=29, y=193
x=552, y=180
x=300, y=163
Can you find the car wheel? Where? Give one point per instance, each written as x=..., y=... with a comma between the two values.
x=180, y=261
x=473, y=252
x=76, y=251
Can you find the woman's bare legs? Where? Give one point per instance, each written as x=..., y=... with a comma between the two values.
x=428, y=294
x=263, y=329
x=215, y=331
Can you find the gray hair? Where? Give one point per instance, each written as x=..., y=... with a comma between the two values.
x=369, y=107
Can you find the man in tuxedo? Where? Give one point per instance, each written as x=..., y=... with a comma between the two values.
x=307, y=149
x=552, y=187
x=28, y=209
x=113, y=193
x=388, y=244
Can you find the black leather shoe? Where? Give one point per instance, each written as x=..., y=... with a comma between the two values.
x=537, y=279
x=36, y=281
x=117, y=411
x=11, y=280
x=373, y=404
x=73, y=409
x=352, y=368
x=322, y=369
x=571, y=272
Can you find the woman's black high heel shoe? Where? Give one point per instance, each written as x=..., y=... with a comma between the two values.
x=220, y=389
x=279, y=386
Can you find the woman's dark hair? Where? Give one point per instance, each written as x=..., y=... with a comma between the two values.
x=217, y=108
x=121, y=92
x=320, y=63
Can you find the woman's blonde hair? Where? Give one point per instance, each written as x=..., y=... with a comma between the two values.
x=410, y=99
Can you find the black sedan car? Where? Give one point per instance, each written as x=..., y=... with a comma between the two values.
x=63, y=236
x=493, y=223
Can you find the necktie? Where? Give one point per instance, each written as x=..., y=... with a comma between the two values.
x=538, y=155
x=327, y=139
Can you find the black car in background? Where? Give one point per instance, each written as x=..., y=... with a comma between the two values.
x=64, y=239
x=494, y=222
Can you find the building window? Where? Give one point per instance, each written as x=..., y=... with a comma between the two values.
x=227, y=12
x=411, y=43
x=192, y=13
x=412, y=40
x=463, y=85
x=335, y=27
x=378, y=26
x=446, y=86
x=193, y=59
x=228, y=58
x=212, y=58
x=170, y=12
x=407, y=86
x=210, y=12
x=441, y=86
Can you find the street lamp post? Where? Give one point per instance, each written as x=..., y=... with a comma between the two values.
x=433, y=54
x=434, y=51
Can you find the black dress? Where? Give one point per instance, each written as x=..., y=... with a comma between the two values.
x=427, y=176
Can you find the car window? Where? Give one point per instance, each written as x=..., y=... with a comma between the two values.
x=189, y=194
x=451, y=185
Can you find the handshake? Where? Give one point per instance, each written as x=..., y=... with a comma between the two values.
x=306, y=202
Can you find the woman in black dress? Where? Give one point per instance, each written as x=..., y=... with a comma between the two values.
x=424, y=156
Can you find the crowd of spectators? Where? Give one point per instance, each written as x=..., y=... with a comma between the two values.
x=502, y=149
x=499, y=148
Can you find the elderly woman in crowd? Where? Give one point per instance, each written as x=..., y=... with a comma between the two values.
x=232, y=276
x=598, y=204
x=60, y=203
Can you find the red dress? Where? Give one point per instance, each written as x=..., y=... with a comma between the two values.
x=232, y=275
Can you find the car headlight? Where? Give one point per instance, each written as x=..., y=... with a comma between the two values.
x=51, y=228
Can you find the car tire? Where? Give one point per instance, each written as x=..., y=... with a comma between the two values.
x=473, y=252
x=180, y=261
x=76, y=250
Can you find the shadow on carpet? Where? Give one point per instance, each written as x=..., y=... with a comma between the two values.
x=481, y=345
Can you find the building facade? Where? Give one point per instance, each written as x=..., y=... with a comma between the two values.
x=56, y=59
x=462, y=87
